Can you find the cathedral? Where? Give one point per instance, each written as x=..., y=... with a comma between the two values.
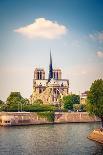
x=50, y=90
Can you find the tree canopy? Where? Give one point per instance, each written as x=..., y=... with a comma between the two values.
x=95, y=99
x=70, y=100
x=15, y=102
x=15, y=98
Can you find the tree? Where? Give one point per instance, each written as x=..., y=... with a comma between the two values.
x=95, y=99
x=1, y=105
x=14, y=102
x=70, y=100
x=79, y=107
x=1, y=102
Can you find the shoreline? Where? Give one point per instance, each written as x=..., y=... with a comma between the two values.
x=49, y=123
x=96, y=135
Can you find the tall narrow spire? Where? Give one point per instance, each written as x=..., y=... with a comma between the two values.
x=50, y=68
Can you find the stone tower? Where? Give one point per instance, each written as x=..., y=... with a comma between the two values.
x=39, y=74
x=57, y=74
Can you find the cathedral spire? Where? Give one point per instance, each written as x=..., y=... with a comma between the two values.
x=50, y=68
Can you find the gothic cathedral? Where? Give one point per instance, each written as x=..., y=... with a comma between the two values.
x=50, y=90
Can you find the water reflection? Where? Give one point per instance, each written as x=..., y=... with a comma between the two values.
x=61, y=139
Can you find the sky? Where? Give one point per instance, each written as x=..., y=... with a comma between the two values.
x=72, y=29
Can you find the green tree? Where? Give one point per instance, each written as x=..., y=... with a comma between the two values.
x=95, y=99
x=79, y=107
x=1, y=105
x=14, y=102
x=27, y=101
x=1, y=102
x=70, y=100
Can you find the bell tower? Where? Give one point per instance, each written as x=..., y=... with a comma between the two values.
x=39, y=74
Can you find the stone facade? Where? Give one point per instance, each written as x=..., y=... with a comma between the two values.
x=49, y=90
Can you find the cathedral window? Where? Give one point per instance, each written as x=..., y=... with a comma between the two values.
x=40, y=75
x=40, y=90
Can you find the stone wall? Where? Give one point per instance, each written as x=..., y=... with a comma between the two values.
x=27, y=118
x=74, y=117
x=20, y=118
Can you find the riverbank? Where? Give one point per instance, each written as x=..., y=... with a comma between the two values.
x=96, y=135
x=32, y=118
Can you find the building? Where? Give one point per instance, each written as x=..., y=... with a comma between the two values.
x=83, y=97
x=50, y=90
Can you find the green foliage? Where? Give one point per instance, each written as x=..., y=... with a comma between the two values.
x=28, y=108
x=83, y=107
x=48, y=115
x=1, y=105
x=10, y=108
x=16, y=102
x=95, y=99
x=38, y=108
x=70, y=100
x=15, y=98
x=1, y=102
x=27, y=101
x=76, y=107
x=79, y=107
x=38, y=101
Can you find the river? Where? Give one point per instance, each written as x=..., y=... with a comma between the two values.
x=60, y=139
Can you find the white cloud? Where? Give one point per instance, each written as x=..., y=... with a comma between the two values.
x=42, y=28
x=99, y=54
x=97, y=36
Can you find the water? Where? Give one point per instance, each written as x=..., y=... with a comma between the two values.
x=61, y=139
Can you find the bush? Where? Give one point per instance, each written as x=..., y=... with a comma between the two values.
x=38, y=108
x=48, y=115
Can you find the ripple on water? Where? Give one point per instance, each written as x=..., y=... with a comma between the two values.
x=61, y=139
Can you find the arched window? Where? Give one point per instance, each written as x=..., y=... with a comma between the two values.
x=40, y=90
x=40, y=75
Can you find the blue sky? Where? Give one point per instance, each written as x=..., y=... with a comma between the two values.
x=72, y=29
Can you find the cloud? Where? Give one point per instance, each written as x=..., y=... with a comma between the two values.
x=97, y=36
x=42, y=28
x=99, y=54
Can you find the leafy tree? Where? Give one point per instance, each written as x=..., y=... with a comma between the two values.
x=1, y=105
x=79, y=107
x=95, y=99
x=27, y=101
x=1, y=102
x=76, y=107
x=70, y=100
x=83, y=107
x=14, y=102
